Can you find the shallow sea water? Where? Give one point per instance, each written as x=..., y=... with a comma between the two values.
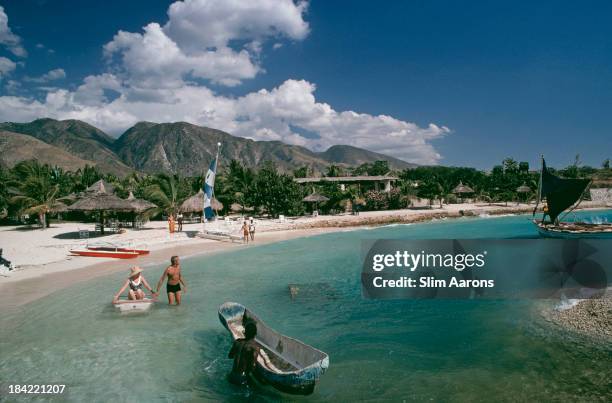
x=417, y=350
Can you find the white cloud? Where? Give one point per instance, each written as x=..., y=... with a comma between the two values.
x=51, y=75
x=6, y=66
x=8, y=38
x=262, y=115
x=198, y=41
x=202, y=24
x=151, y=74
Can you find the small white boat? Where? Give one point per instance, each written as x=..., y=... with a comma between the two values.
x=134, y=306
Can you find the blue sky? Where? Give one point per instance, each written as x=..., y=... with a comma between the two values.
x=495, y=80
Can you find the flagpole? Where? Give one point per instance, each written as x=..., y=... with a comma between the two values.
x=216, y=166
x=212, y=168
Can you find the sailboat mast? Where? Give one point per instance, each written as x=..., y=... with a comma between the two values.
x=216, y=166
x=539, y=198
x=540, y=181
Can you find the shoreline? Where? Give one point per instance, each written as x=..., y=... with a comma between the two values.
x=591, y=318
x=32, y=282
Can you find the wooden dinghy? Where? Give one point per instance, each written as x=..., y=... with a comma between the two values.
x=285, y=363
x=133, y=306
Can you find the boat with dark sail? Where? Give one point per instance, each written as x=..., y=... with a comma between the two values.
x=287, y=364
x=564, y=195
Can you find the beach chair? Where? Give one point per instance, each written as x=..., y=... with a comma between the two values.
x=281, y=218
x=83, y=234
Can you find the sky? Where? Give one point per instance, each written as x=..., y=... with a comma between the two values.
x=430, y=82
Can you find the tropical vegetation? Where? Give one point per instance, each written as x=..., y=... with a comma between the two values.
x=31, y=189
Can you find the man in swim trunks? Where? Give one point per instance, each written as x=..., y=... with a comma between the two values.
x=175, y=279
x=244, y=352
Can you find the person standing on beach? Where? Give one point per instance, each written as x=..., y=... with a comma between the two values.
x=174, y=281
x=171, y=223
x=252, y=230
x=180, y=222
x=245, y=231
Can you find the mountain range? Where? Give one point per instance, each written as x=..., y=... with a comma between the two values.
x=179, y=147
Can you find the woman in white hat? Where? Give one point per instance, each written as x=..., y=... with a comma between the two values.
x=136, y=282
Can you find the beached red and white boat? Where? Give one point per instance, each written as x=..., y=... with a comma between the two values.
x=112, y=249
x=105, y=249
x=105, y=253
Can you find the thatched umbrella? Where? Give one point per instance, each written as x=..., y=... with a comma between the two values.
x=58, y=207
x=195, y=204
x=140, y=205
x=315, y=198
x=523, y=189
x=238, y=208
x=101, y=201
x=461, y=189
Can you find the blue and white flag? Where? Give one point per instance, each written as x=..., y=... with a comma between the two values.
x=209, y=186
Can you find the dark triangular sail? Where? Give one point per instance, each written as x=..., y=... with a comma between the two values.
x=560, y=193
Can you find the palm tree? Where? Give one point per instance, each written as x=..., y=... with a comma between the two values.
x=167, y=191
x=241, y=182
x=38, y=194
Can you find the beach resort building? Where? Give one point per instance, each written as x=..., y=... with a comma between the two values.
x=381, y=181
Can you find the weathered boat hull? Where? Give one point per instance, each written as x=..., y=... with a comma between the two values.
x=306, y=362
x=592, y=231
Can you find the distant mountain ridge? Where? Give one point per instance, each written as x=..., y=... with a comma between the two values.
x=179, y=147
x=80, y=139
x=16, y=147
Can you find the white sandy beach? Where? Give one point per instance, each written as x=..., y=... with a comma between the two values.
x=43, y=263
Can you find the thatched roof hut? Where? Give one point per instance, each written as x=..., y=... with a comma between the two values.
x=140, y=205
x=195, y=204
x=461, y=188
x=101, y=201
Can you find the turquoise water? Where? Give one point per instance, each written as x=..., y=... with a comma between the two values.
x=437, y=350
